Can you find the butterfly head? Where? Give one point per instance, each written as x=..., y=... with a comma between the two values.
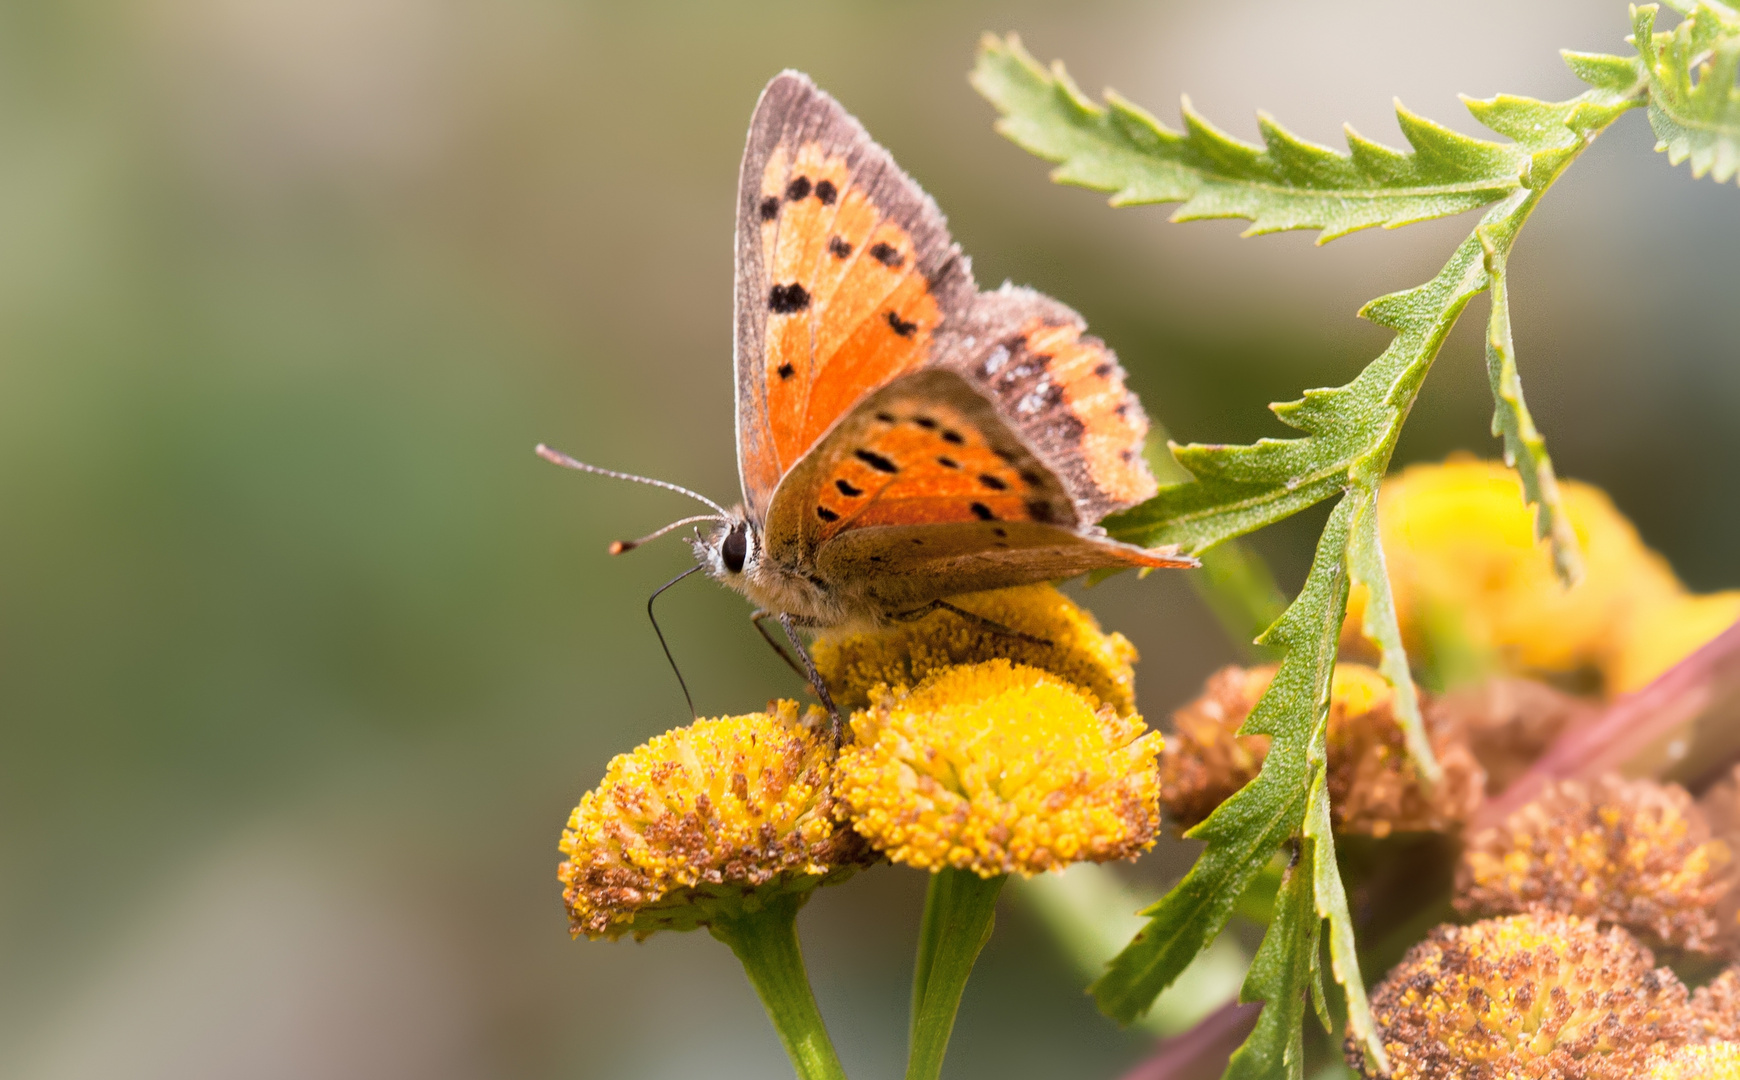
x=731, y=551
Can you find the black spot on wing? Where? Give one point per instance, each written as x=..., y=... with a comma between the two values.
x=1040, y=510
x=948, y=462
x=826, y=191
x=770, y=208
x=983, y=512
x=887, y=255
x=926, y=422
x=886, y=418
x=951, y=436
x=848, y=490
x=799, y=188
x=786, y=371
x=839, y=248
x=992, y=482
x=900, y=326
x=826, y=515
x=1031, y=478
x=1102, y=370
x=876, y=461
x=785, y=299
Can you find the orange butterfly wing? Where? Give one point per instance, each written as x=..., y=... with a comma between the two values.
x=901, y=435
x=845, y=274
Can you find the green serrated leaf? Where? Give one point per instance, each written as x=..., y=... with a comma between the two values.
x=1694, y=102
x=1248, y=827
x=1282, y=975
x=1285, y=183
x=1242, y=488
x=1365, y=565
x=1524, y=448
x=1349, y=435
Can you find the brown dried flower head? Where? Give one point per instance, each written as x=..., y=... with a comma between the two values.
x=1538, y=995
x=1633, y=852
x=1716, y=1006
x=706, y=821
x=1373, y=788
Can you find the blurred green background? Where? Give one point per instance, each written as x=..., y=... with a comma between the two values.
x=304, y=657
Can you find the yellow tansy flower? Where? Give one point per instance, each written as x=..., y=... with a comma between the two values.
x=1465, y=568
x=852, y=664
x=1705, y=1061
x=704, y=822
x=1633, y=852
x=1661, y=634
x=1536, y=995
x=999, y=768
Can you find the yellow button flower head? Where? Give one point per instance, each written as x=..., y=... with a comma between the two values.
x=1702, y=1061
x=704, y=822
x=1536, y=995
x=999, y=768
x=1632, y=852
x=1372, y=785
x=1661, y=634
x=1463, y=562
x=852, y=664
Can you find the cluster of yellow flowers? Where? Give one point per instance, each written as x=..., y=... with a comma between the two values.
x=977, y=752
x=1476, y=594
x=1020, y=760
x=1469, y=577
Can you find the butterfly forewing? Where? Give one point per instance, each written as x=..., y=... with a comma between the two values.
x=845, y=273
x=901, y=436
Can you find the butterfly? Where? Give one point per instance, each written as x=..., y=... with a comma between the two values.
x=902, y=437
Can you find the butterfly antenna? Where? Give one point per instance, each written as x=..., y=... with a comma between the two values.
x=556, y=457
x=617, y=547
x=693, y=715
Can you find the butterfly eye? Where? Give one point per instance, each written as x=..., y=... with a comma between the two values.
x=735, y=549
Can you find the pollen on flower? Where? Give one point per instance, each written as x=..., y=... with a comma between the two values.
x=1632, y=852
x=704, y=821
x=999, y=768
x=1537, y=995
x=1373, y=788
x=1075, y=648
x=1696, y=1061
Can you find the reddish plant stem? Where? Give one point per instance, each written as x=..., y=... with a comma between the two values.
x=1684, y=726
x=1202, y=1052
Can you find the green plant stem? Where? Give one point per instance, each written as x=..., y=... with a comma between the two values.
x=1092, y=913
x=959, y=911
x=766, y=944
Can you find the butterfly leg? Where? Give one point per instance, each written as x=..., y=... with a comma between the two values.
x=789, y=625
x=755, y=619
x=992, y=625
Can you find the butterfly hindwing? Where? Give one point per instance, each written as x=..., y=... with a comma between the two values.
x=845, y=277
x=924, y=490
x=1061, y=390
